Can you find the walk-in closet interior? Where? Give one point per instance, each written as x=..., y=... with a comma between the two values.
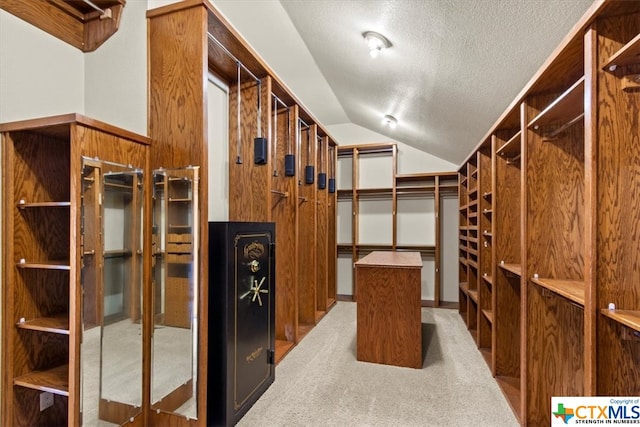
x=156, y=269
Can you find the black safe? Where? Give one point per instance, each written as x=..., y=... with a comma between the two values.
x=241, y=318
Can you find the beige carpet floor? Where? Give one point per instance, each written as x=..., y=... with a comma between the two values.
x=320, y=383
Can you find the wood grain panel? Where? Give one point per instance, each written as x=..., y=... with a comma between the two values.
x=177, y=64
x=555, y=215
x=388, y=315
x=506, y=214
x=249, y=183
x=618, y=216
x=307, y=211
x=284, y=207
x=332, y=232
x=26, y=405
x=322, y=223
x=555, y=349
x=619, y=376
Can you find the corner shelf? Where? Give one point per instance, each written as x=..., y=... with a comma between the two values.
x=572, y=290
x=488, y=279
x=488, y=314
x=85, y=25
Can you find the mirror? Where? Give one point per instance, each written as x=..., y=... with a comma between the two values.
x=111, y=215
x=175, y=291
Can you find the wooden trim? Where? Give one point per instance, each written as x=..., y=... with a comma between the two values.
x=590, y=209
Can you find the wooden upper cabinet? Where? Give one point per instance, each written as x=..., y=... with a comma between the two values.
x=84, y=24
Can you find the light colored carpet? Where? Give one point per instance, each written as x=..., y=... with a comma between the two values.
x=320, y=383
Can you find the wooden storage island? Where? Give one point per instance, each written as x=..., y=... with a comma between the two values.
x=389, y=320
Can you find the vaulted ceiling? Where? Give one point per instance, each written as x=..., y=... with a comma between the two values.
x=453, y=68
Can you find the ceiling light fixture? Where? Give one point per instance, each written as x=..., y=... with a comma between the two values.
x=390, y=121
x=376, y=42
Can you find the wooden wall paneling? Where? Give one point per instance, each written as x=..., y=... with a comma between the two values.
x=555, y=352
x=618, y=216
x=249, y=183
x=554, y=186
x=284, y=207
x=507, y=288
x=332, y=232
x=307, y=211
x=322, y=224
x=178, y=66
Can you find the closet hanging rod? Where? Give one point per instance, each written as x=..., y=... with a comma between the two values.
x=279, y=101
x=94, y=6
x=304, y=123
x=232, y=56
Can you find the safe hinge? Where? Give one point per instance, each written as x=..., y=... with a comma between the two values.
x=271, y=357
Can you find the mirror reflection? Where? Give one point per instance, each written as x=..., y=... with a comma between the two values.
x=112, y=201
x=175, y=291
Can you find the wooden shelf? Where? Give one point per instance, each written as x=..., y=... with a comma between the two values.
x=374, y=246
x=487, y=194
x=487, y=211
x=58, y=324
x=473, y=294
x=463, y=260
x=564, y=109
x=54, y=380
x=571, y=289
x=629, y=54
x=629, y=318
x=74, y=22
x=488, y=279
x=512, y=268
x=44, y=205
x=409, y=191
x=487, y=234
x=488, y=314
x=511, y=147
x=47, y=265
x=473, y=264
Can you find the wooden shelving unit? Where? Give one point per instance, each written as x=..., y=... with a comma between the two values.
x=394, y=193
x=565, y=226
x=83, y=24
x=43, y=250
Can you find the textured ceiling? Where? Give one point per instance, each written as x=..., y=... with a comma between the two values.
x=454, y=67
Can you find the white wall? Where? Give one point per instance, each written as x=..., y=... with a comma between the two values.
x=115, y=88
x=39, y=75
